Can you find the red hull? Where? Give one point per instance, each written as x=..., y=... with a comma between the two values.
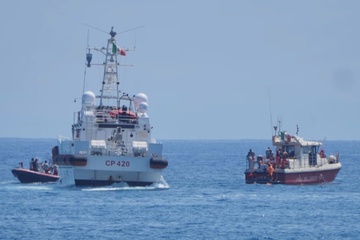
x=292, y=178
x=28, y=176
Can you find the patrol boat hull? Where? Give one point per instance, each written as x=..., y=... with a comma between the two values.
x=105, y=171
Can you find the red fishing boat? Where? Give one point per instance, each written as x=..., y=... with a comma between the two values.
x=295, y=161
x=34, y=176
x=29, y=176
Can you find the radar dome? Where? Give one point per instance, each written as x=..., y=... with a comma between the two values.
x=88, y=99
x=143, y=107
x=139, y=98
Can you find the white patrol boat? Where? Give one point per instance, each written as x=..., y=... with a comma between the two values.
x=111, y=134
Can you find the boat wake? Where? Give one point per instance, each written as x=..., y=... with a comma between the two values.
x=162, y=184
x=8, y=182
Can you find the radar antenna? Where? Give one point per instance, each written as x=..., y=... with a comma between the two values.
x=112, y=33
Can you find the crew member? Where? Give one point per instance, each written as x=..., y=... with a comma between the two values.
x=259, y=160
x=55, y=169
x=283, y=163
x=322, y=153
x=251, y=154
x=32, y=164
x=45, y=166
x=269, y=154
x=270, y=169
x=36, y=165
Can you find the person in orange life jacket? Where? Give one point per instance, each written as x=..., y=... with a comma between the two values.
x=270, y=169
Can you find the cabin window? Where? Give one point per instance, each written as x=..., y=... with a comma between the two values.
x=312, y=155
x=306, y=150
x=290, y=150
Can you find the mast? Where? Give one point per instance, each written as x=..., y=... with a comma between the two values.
x=110, y=83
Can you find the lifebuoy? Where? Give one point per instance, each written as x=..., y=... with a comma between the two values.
x=116, y=113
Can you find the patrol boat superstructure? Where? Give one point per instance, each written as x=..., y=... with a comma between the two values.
x=111, y=135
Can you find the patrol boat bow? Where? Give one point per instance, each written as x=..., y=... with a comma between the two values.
x=111, y=135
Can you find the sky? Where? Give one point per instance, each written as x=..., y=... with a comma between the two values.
x=214, y=69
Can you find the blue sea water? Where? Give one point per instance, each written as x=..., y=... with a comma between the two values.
x=206, y=198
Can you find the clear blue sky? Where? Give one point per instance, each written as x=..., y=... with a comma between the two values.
x=208, y=67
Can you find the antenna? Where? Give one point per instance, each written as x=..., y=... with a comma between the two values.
x=135, y=41
x=324, y=142
x=131, y=29
x=297, y=129
x=135, y=36
x=94, y=28
x=128, y=30
x=271, y=123
x=279, y=124
x=88, y=59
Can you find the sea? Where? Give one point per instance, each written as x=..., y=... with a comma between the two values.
x=203, y=196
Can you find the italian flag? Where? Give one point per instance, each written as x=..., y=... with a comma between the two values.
x=119, y=50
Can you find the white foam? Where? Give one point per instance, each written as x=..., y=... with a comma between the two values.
x=162, y=184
